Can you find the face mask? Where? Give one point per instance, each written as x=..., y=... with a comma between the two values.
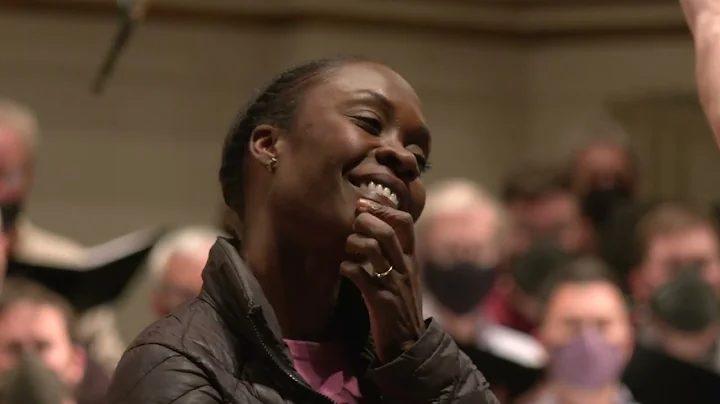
x=459, y=287
x=30, y=382
x=10, y=212
x=686, y=302
x=587, y=362
x=600, y=204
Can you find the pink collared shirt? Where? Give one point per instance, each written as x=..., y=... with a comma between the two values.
x=325, y=367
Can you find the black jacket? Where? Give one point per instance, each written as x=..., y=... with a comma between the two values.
x=226, y=347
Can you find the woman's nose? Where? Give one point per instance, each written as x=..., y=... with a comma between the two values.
x=401, y=161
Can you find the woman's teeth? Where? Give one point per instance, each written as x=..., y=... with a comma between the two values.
x=382, y=190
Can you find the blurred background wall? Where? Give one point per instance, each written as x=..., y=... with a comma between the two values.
x=501, y=82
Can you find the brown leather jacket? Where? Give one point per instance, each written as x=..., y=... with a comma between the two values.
x=226, y=347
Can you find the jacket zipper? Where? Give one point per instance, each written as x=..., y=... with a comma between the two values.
x=277, y=363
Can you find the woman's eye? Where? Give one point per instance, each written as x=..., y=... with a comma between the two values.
x=369, y=125
x=423, y=163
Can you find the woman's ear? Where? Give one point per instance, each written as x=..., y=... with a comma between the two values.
x=263, y=142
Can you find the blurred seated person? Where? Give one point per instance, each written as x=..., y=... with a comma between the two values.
x=37, y=321
x=542, y=210
x=19, y=137
x=543, y=206
x=685, y=319
x=672, y=309
x=604, y=175
x=520, y=287
x=588, y=337
x=176, y=264
x=461, y=236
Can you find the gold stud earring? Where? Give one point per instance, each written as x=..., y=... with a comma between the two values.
x=271, y=164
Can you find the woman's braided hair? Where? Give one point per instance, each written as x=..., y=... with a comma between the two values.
x=275, y=105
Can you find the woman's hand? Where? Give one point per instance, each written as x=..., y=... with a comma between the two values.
x=385, y=237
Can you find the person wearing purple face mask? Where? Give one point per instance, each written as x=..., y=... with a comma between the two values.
x=587, y=334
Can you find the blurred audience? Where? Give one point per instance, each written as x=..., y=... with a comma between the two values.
x=588, y=337
x=604, y=175
x=677, y=283
x=19, y=137
x=543, y=206
x=36, y=321
x=176, y=264
x=685, y=320
x=543, y=210
x=516, y=301
x=672, y=236
x=461, y=237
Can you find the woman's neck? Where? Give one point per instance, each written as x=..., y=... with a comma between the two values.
x=300, y=285
x=565, y=394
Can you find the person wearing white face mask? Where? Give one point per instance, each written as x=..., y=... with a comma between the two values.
x=587, y=334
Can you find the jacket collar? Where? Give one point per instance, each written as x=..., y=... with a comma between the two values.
x=229, y=285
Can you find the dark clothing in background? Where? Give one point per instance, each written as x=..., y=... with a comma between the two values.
x=94, y=386
x=513, y=378
x=617, y=240
x=656, y=378
x=226, y=347
x=498, y=309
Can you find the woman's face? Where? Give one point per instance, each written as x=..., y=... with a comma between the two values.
x=358, y=133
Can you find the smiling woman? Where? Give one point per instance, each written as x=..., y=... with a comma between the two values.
x=324, y=170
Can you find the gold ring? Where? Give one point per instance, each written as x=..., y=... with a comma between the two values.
x=384, y=274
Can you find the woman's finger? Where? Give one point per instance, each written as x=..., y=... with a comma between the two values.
x=362, y=280
x=369, y=248
x=401, y=222
x=373, y=227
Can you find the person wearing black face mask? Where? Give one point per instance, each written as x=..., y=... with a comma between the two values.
x=461, y=234
x=459, y=286
x=670, y=236
x=686, y=318
x=604, y=176
x=600, y=204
